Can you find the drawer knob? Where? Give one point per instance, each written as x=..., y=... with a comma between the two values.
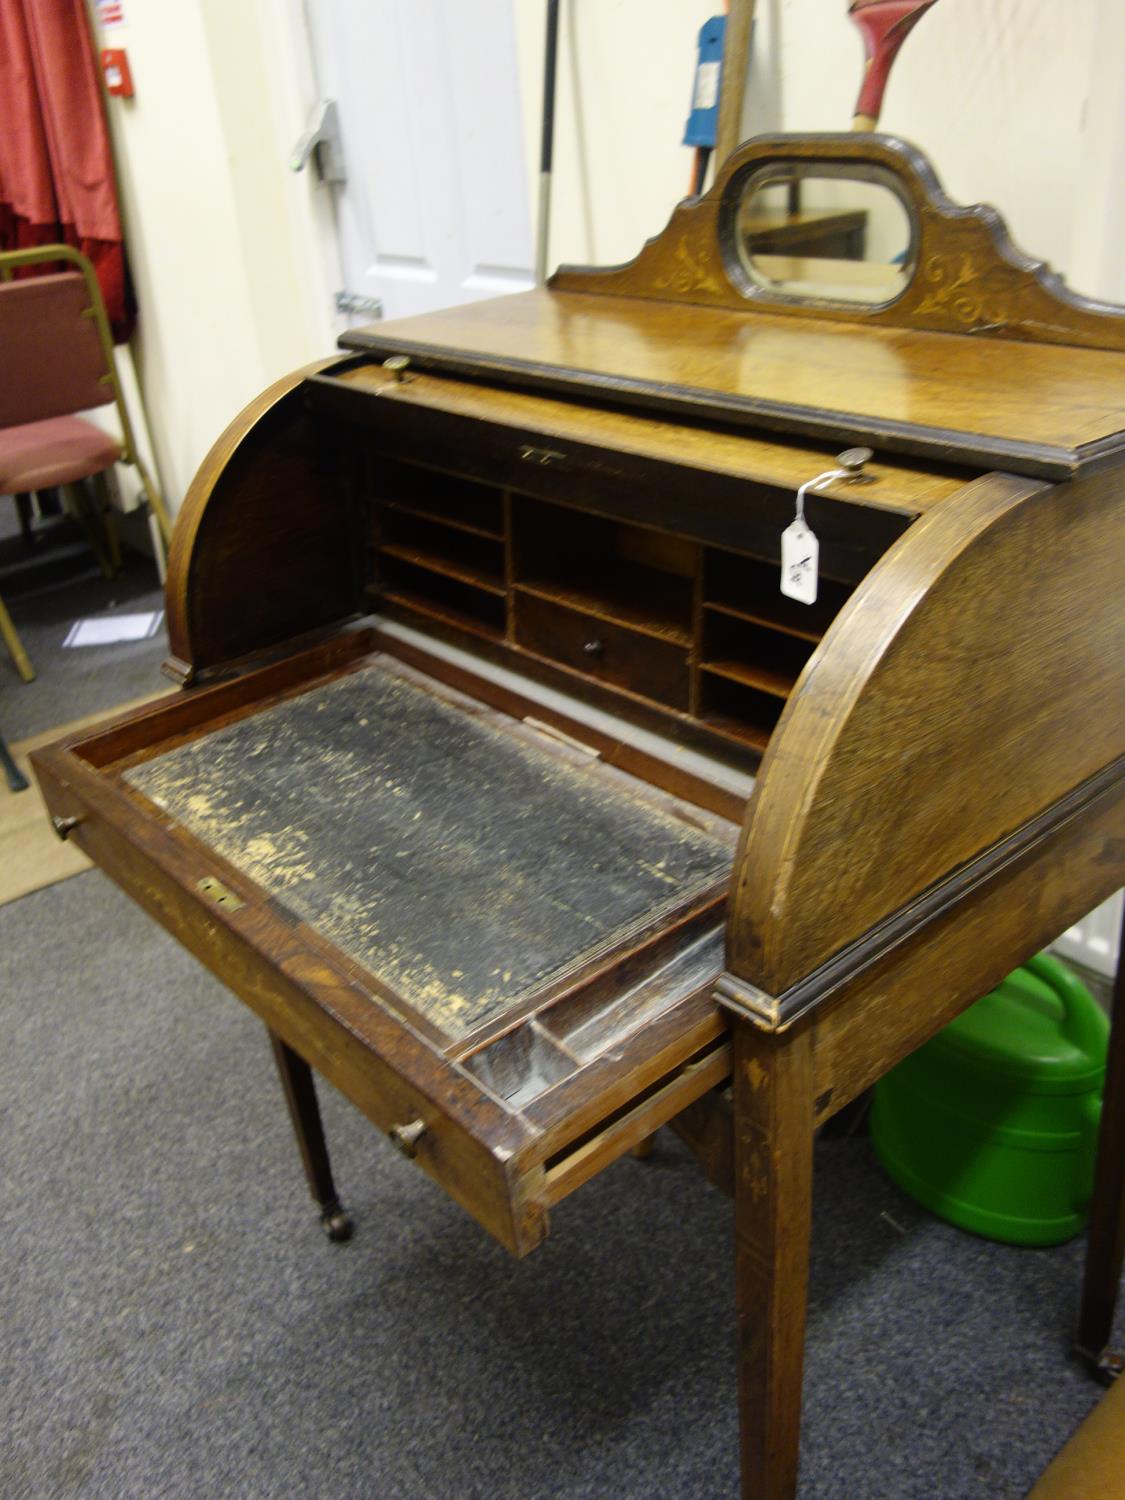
x=405, y=1138
x=398, y=364
x=594, y=647
x=64, y=827
x=852, y=461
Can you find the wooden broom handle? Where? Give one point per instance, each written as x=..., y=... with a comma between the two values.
x=736, y=65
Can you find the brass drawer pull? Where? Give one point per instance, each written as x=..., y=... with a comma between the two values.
x=64, y=827
x=405, y=1138
x=594, y=647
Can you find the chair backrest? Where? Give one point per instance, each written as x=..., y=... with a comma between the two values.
x=51, y=358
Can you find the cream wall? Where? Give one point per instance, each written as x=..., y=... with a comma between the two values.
x=234, y=256
x=1015, y=102
x=624, y=92
x=232, y=277
x=1008, y=99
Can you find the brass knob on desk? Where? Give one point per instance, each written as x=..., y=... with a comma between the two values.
x=594, y=647
x=405, y=1138
x=65, y=826
x=853, y=460
x=398, y=365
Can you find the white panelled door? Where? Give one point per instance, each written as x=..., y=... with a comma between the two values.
x=435, y=210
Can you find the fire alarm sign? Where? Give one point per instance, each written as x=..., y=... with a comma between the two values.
x=115, y=70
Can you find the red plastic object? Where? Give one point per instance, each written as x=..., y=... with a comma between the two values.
x=884, y=26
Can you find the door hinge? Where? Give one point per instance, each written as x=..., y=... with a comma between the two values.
x=354, y=302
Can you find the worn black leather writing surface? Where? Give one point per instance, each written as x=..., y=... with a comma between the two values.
x=457, y=855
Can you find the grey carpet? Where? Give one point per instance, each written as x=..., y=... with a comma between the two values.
x=46, y=589
x=174, y=1323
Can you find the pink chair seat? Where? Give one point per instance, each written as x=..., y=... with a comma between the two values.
x=60, y=450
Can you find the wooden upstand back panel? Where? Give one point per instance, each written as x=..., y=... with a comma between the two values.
x=508, y=788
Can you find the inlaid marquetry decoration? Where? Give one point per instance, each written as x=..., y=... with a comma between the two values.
x=962, y=273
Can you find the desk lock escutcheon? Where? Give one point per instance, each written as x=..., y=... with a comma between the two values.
x=220, y=894
x=545, y=458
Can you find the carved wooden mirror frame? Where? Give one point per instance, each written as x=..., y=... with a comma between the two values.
x=969, y=277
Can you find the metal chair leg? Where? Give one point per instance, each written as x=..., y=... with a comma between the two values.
x=23, y=511
x=108, y=514
x=16, y=779
x=85, y=513
x=156, y=501
x=15, y=645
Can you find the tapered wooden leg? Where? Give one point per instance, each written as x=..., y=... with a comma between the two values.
x=773, y=1132
x=300, y=1095
x=1105, y=1252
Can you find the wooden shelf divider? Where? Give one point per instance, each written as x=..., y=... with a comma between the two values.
x=434, y=563
x=447, y=613
x=752, y=674
x=630, y=612
x=436, y=518
x=699, y=630
x=760, y=617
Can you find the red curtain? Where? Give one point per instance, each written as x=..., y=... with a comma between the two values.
x=56, y=167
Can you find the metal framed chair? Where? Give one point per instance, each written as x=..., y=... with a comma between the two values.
x=58, y=350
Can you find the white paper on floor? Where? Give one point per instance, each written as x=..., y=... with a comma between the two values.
x=109, y=630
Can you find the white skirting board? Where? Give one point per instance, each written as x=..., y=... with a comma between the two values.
x=1094, y=940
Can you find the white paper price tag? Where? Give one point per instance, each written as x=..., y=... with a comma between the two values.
x=800, y=552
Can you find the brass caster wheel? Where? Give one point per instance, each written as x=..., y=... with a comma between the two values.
x=337, y=1223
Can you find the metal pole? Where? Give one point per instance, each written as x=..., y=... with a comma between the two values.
x=16, y=779
x=547, y=144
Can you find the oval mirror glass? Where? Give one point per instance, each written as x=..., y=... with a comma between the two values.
x=806, y=232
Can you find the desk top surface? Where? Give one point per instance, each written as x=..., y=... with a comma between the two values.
x=1025, y=406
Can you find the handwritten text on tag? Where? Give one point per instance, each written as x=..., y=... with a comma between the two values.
x=800, y=552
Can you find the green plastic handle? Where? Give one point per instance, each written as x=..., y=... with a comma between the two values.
x=1081, y=1017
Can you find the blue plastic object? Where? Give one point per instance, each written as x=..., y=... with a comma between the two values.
x=703, y=122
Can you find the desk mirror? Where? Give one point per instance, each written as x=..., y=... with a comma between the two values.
x=824, y=232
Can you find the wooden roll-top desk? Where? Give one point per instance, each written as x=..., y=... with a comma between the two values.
x=509, y=790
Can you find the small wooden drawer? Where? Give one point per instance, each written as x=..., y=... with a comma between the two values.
x=636, y=661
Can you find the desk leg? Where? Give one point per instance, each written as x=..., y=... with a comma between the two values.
x=304, y=1111
x=1105, y=1253
x=773, y=1130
